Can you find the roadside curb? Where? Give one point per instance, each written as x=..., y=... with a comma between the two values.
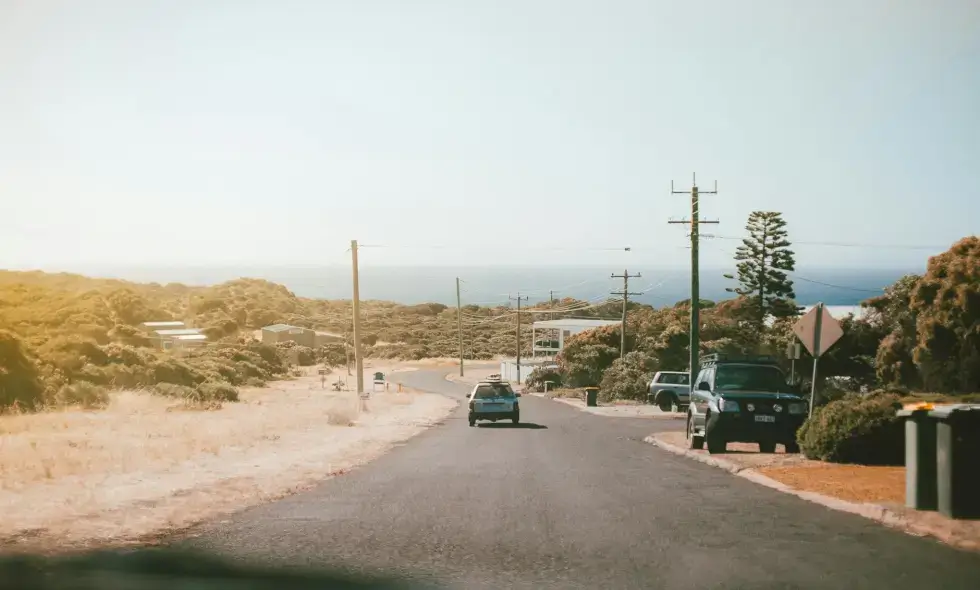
x=875, y=512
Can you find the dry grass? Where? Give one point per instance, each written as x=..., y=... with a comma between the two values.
x=146, y=463
x=855, y=483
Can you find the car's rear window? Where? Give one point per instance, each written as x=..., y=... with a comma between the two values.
x=494, y=390
x=675, y=378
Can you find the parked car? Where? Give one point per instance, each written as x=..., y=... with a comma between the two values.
x=494, y=400
x=744, y=399
x=670, y=390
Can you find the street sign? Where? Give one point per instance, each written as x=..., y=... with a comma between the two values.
x=793, y=351
x=818, y=330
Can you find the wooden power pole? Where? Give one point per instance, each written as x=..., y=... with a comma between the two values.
x=519, y=298
x=459, y=327
x=358, y=359
x=626, y=276
x=695, y=223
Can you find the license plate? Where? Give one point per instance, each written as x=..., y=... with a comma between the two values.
x=765, y=418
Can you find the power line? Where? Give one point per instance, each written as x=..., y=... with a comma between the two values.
x=843, y=244
x=799, y=278
x=457, y=247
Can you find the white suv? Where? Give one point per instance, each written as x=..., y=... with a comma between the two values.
x=494, y=400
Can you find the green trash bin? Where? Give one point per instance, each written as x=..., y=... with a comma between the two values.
x=592, y=396
x=920, y=459
x=958, y=460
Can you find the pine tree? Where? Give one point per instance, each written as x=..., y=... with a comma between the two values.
x=763, y=260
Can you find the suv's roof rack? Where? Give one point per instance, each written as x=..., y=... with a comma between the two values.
x=717, y=357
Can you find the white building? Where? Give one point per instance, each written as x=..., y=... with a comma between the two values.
x=548, y=336
x=178, y=338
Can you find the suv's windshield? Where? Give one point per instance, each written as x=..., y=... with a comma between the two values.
x=494, y=390
x=674, y=378
x=749, y=378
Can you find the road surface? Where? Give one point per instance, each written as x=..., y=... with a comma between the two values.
x=573, y=500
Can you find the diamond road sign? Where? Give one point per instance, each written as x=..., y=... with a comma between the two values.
x=829, y=330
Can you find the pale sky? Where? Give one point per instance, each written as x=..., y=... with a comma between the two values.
x=234, y=132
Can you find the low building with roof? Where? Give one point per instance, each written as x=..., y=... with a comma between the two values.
x=170, y=335
x=277, y=333
x=167, y=325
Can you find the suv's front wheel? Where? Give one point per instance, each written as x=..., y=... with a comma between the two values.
x=716, y=444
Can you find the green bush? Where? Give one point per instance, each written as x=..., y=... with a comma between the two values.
x=216, y=391
x=536, y=380
x=305, y=356
x=82, y=393
x=856, y=429
x=20, y=383
x=628, y=377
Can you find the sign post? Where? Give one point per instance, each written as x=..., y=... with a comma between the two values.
x=793, y=354
x=818, y=330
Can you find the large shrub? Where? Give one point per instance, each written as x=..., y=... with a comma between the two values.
x=628, y=377
x=856, y=429
x=536, y=380
x=20, y=383
x=587, y=354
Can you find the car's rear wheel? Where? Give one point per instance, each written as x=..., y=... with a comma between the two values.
x=767, y=447
x=696, y=442
x=472, y=421
x=666, y=402
x=517, y=418
x=792, y=447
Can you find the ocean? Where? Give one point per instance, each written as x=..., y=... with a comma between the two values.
x=493, y=285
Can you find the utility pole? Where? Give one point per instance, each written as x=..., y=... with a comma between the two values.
x=519, y=298
x=347, y=343
x=551, y=298
x=626, y=276
x=459, y=326
x=358, y=360
x=695, y=222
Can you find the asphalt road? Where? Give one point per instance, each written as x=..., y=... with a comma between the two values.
x=573, y=500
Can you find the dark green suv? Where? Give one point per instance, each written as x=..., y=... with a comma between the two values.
x=743, y=399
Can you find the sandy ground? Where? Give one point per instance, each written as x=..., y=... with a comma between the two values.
x=146, y=466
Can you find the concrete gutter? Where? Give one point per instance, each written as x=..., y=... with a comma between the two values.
x=887, y=516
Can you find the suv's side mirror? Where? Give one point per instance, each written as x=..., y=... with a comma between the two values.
x=704, y=386
x=517, y=394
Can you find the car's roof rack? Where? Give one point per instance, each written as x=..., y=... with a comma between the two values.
x=759, y=359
